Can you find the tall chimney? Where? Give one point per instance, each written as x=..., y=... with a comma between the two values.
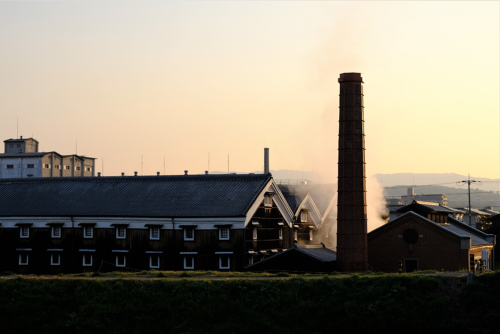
x=352, y=253
x=266, y=160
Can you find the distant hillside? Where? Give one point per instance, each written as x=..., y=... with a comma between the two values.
x=446, y=179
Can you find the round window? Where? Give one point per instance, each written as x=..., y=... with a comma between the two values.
x=410, y=236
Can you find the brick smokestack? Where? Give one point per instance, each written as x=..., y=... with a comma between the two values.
x=266, y=160
x=352, y=254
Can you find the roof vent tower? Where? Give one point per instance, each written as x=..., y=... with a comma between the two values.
x=266, y=160
x=352, y=253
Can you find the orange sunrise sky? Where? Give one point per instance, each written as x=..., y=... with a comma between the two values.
x=185, y=79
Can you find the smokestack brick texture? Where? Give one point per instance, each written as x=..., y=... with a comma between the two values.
x=352, y=253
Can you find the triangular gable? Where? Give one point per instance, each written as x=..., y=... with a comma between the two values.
x=278, y=199
x=410, y=214
x=308, y=203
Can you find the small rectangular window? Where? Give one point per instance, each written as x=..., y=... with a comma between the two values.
x=77, y=168
x=29, y=175
x=154, y=261
x=224, y=262
x=10, y=166
x=87, y=169
x=224, y=233
x=46, y=166
x=121, y=260
x=280, y=231
x=121, y=232
x=154, y=233
x=189, y=233
x=87, y=260
x=57, y=166
x=55, y=259
x=250, y=260
x=56, y=231
x=295, y=234
x=254, y=233
x=303, y=217
x=310, y=235
x=188, y=262
x=67, y=167
x=88, y=232
x=30, y=166
x=24, y=232
x=23, y=259
x=268, y=200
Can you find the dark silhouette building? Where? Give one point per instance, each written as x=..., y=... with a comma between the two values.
x=352, y=255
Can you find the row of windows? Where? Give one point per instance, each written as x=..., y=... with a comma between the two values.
x=255, y=233
x=47, y=166
x=121, y=232
x=121, y=261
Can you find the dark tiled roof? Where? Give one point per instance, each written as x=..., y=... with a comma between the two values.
x=132, y=196
x=477, y=237
x=426, y=206
x=320, y=253
x=322, y=195
x=294, y=195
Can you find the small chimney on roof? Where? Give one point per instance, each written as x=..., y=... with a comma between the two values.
x=157, y=173
x=99, y=174
x=21, y=137
x=185, y=172
x=135, y=173
x=206, y=172
x=123, y=174
x=266, y=160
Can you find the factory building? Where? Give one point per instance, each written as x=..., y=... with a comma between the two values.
x=22, y=160
x=427, y=237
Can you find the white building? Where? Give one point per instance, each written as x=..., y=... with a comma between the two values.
x=22, y=159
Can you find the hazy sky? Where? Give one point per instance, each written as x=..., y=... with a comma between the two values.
x=184, y=79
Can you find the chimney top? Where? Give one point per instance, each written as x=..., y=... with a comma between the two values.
x=157, y=173
x=185, y=172
x=135, y=173
x=206, y=172
x=350, y=76
x=123, y=174
x=99, y=174
x=21, y=137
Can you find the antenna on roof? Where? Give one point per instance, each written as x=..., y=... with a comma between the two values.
x=163, y=164
x=228, y=163
x=208, y=169
x=76, y=148
x=102, y=168
x=17, y=129
x=141, y=165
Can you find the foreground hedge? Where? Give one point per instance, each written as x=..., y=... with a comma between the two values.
x=406, y=304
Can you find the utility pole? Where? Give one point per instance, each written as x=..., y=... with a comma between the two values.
x=469, y=181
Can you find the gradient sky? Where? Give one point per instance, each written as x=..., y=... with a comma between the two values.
x=184, y=79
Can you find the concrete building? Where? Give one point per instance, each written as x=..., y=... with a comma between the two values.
x=22, y=159
x=412, y=196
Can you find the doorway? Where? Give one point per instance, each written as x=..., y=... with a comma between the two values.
x=411, y=265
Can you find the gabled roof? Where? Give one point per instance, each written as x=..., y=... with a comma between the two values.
x=454, y=227
x=322, y=195
x=477, y=237
x=223, y=195
x=426, y=206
